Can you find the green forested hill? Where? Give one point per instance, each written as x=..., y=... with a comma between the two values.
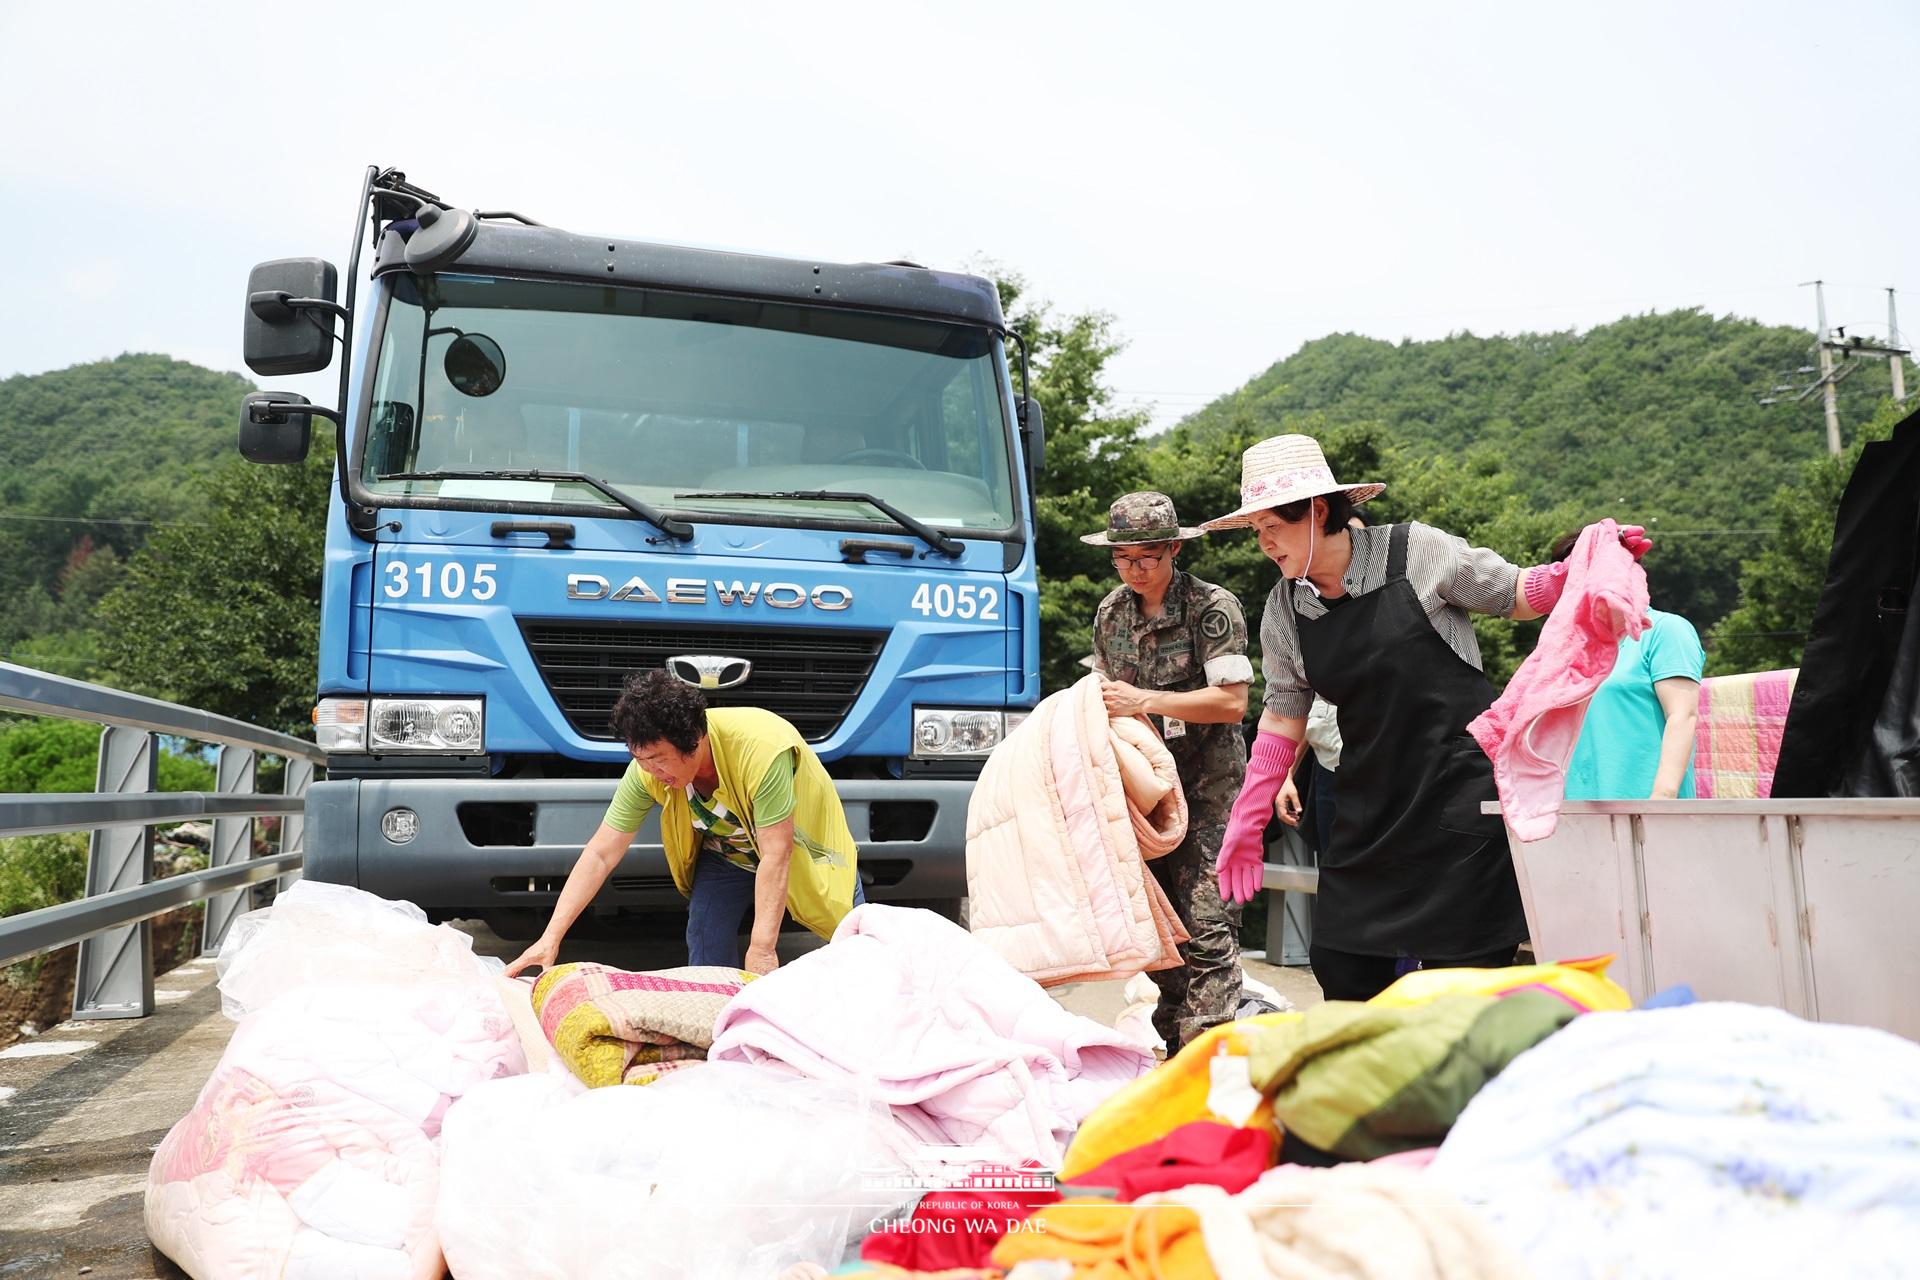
x=1653, y=414
x=86, y=455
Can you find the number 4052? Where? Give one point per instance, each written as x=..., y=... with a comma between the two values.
x=944, y=600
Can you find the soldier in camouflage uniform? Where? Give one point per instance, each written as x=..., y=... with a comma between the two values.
x=1174, y=648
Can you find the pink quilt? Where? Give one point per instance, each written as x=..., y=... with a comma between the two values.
x=1738, y=742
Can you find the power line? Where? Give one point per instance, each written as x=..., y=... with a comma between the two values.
x=12, y=515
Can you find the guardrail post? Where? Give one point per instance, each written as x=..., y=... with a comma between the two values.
x=232, y=843
x=114, y=975
x=1289, y=914
x=293, y=827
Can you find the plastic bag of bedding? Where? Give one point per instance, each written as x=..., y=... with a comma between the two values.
x=312, y=1152
x=720, y=1170
x=320, y=931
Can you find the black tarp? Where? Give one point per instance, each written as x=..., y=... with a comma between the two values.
x=1853, y=728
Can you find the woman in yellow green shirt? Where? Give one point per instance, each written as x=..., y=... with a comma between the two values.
x=748, y=819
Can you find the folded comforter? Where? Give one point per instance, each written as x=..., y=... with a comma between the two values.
x=1368, y=1080
x=613, y=1027
x=1061, y=823
x=966, y=1052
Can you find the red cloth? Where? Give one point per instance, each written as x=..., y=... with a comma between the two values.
x=956, y=1228
x=1201, y=1152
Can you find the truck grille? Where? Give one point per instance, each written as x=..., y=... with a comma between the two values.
x=810, y=676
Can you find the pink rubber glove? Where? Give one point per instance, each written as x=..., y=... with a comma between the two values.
x=1544, y=583
x=1242, y=864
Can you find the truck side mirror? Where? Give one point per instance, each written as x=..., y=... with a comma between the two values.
x=270, y=436
x=1033, y=429
x=283, y=337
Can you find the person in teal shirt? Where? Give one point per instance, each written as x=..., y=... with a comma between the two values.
x=1637, y=740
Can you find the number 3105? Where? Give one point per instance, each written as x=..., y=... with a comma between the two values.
x=451, y=579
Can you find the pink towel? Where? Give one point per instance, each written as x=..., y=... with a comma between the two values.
x=1530, y=732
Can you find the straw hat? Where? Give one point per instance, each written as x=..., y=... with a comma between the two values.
x=1140, y=517
x=1286, y=469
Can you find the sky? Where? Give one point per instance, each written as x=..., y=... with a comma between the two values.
x=1226, y=181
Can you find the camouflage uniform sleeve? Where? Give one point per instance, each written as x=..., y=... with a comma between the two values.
x=1103, y=637
x=1222, y=645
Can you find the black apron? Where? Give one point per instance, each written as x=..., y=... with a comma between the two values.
x=1414, y=868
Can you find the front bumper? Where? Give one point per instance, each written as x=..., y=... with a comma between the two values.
x=911, y=832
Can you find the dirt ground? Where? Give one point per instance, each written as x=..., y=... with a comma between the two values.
x=33, y=998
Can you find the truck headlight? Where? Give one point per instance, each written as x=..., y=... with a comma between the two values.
x=455, y=725
x=425, y=724
x=959, y=733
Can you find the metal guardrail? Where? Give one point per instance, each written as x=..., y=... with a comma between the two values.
x=1290, y=879
x=113, y=922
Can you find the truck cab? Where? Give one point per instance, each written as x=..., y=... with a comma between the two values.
x=797, y=485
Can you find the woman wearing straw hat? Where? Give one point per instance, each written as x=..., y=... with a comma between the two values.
x=1376, y=621
x=1174, y=648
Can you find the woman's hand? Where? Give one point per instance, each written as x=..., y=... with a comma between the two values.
x=761, y=960
x=1288, y=803
x=543, y=953
x=1123, y=699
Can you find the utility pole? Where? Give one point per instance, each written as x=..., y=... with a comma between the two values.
x=1828, y=383
x=1896, y=362
x=1833, y=373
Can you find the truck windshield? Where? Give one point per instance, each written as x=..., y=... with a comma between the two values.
x=664, y=395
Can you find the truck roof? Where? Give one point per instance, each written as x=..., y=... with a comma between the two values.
x=551, y=254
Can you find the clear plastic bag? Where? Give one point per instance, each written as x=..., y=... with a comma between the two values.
x=723, y=1170
x=312, y=1152
x=333, y=932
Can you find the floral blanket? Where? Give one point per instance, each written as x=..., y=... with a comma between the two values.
x=1708, y=1140
x=610, y=1026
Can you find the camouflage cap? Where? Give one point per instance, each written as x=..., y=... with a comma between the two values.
x=1141, y=517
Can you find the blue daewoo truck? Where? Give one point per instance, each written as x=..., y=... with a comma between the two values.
x=798, y=485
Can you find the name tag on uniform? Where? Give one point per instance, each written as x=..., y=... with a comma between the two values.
x=1174, y=728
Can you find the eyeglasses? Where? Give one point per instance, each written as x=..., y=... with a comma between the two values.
x=1146, y=564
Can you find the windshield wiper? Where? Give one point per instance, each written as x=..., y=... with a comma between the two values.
x=946, y=546
x=678, y=530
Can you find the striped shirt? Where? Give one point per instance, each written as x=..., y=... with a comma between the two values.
x=1450, y=577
